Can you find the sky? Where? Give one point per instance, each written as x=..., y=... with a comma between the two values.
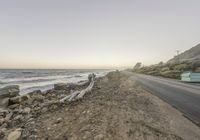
x=95, y=33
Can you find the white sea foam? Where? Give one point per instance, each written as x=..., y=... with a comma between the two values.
x=30, y=80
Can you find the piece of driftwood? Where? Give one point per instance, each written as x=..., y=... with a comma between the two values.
x=80, y=94
x=75, y=95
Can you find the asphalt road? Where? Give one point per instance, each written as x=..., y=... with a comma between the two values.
x=183, y=96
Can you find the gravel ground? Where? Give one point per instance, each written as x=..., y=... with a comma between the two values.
x=116, y=109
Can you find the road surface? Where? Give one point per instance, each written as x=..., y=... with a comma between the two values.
x=183, y=96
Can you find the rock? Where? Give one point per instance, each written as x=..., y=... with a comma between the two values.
x=36, y=109
x=2, y=120
x=9, y=91
x=27, y=110
x=15, y=135
x=8, y=116
x=38, y=97
x=53, y=107
x=18, y=117
x=4, y=102
x=14, y=106
x=35, y=92
x=4, y=125
x=59, y=120
x=33, y=137
x=18, y=110
x=45, y=109
x=18, y=99
x=4, y=129
x=32, y=122
x=84, y=112
x=2, y=133
x=99, y=137
x=61, y=86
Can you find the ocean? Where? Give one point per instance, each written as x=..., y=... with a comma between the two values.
x=37, y=79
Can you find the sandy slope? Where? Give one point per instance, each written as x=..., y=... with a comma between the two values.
x=117, y=109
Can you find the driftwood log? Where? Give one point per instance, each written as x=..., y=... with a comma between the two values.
x=75, y=95
x=80, y=94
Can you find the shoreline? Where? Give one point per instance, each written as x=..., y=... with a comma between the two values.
x=116, y=109
x=30, y=80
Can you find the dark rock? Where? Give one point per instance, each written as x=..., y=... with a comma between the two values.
x=18, y=99
x=45, y=109
x=4, y=125
x=2, y=120
x=58, y=120
x=38, y=97
x=4, y=102
x=35, y=92
x=18, y=117
x=2, y=133
x=9, y=91
x=9, y=116
x=61, y=86
x=13, y=106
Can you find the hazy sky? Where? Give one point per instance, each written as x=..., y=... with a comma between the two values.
x=95, y=33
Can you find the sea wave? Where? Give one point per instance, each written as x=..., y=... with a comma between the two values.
x=33, y=79
x=30, y=80
x=2, y=82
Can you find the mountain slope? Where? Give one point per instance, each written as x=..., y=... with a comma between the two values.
x=189, y=55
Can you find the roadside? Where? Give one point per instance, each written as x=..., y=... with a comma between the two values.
x=116, y=109
x=182, y=96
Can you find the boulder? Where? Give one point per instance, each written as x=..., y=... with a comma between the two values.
x=2, y=120
x=59, y=120
x=9, y=91
x=8, y=116
x=4, y=102
x=68, y=86
x=27, y=110
x=35, y=92
x=18, y=99
x=18, y=117
x=61, y=86
x=99, y=137
x=2, y=133
x=38, y=97
x=15, y=135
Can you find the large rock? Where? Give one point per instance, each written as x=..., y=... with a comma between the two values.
x=61, y=86
x=18, y=99
x=27, y=110
x=4, y=102
x=35, y=92
x=69, y=86
x=38, y=97
x=15, y=135
x=9, y=91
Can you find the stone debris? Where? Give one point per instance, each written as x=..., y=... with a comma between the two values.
x=21, y=110
x=116, y=109
x=15, y=135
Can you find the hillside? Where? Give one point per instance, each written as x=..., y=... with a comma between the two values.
x=189, y=55
x=186, y=61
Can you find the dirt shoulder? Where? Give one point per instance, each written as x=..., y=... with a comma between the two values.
x=116, y=109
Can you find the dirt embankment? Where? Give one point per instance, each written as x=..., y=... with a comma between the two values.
x=116, y=109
